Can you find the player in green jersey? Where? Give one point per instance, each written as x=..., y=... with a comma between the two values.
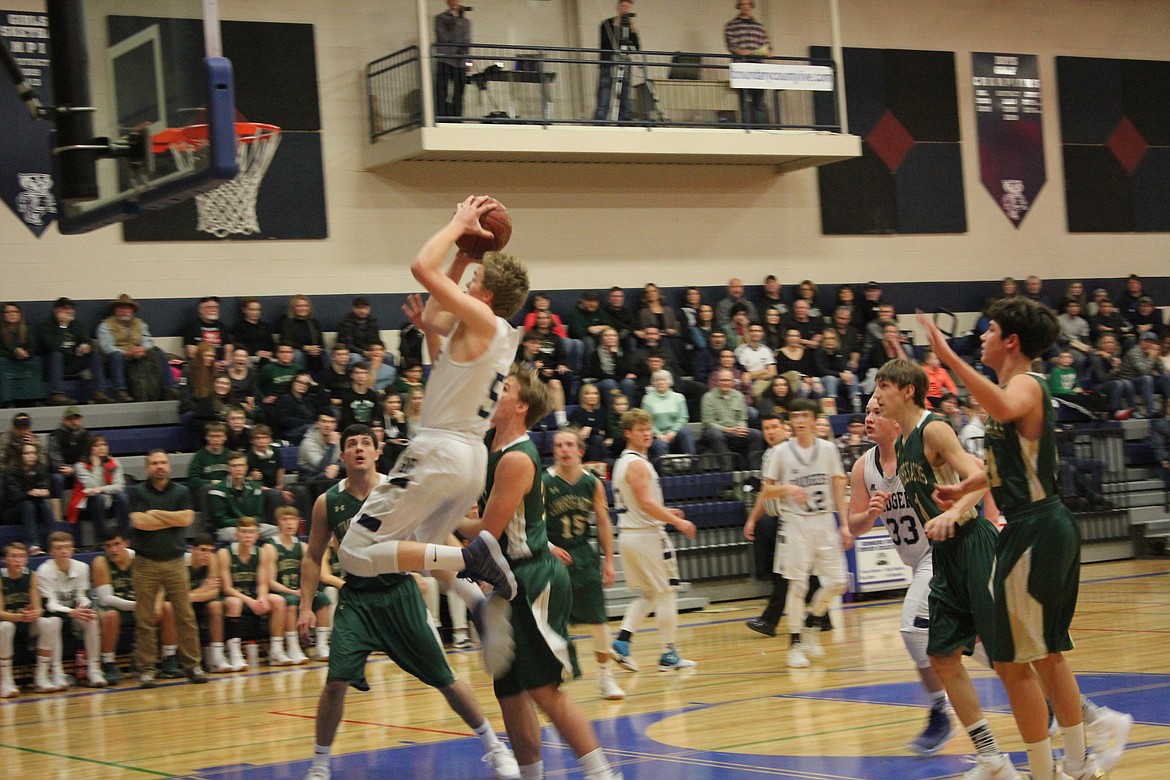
x=1037, y=569
x=571, y=494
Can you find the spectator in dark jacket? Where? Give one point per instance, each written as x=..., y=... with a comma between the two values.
x=301, y=329
x=1160, y=442
x=69, y=353
x=253, y=333
x=68, y=444
x=295, y=411
x=358, y=329
x=26, y=497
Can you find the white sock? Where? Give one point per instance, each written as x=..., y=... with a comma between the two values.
x=43, y=665
x=323, y=635
x=321, y=754
x=594, y=763
x=217, y=649
x=276, y=644
x=486, y=734
x=442, y=557
x=233, y=645
x=938, y=700
x=108, y=658
x=169, y=650
x=290, y=640
x=1040, y=760
x=532, y=771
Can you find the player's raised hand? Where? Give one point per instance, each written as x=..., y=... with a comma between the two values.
x=413, y=309
x=877, y=504
x=468, y=212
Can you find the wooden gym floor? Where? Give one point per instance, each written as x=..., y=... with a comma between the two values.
x=741, y=714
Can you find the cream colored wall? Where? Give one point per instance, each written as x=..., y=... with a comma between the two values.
x=584, y=225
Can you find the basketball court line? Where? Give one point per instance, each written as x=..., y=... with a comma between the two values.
x=83, y=759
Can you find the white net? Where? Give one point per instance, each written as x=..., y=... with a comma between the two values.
x=230, y=209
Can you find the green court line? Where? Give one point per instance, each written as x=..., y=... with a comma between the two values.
x=87, y=760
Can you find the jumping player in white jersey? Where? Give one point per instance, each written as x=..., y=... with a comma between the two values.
x=873, y=495
x=811, y=480
x=442, y=472
x=648, y=557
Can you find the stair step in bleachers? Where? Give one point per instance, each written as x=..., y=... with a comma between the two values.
x=136, y=441
x=130, y=415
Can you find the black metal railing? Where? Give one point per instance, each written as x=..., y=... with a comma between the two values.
x=1093, y=480
x=546, y=85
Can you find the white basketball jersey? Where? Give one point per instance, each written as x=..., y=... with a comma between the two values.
x=461, y=397
x=901, y=520
x=812, y=469
x=768, y=469
x=629, y=512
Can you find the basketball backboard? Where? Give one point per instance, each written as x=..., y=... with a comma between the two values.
x=143, y=68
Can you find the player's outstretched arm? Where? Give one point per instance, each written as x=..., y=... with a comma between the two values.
x=942, y=443
x=428, y=266
x=514, y=475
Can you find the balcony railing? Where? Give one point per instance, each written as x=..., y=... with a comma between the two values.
x=532, y=85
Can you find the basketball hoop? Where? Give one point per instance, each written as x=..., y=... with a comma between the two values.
x=230, y=208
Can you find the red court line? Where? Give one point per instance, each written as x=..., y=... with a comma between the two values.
x=384, y=725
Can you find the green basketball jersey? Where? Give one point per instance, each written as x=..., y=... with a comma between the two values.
x=288, y=564
x=1022, y=472
x=567, y=508
x=525, y=535
x=244, y=574
x=919, y=478
x=16, y=591
x=341, y=507
x=121, y=579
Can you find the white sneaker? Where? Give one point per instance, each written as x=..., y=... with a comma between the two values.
x=502, y=762
x=1090, y=771
x=296, y=655
x=95, y=677
x=276, y=657
x=796, y=657
x=8, y=688
x=235, y=661
x=217, y=664
x=1108, y=735
x=810, y=640
x=607, y=687
x=60, y=680
x=322, y=651
x=43, y=683
x=493, y=620
x=998, y=767
x=319, y=772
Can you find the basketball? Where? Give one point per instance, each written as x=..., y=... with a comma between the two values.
x=499, y=222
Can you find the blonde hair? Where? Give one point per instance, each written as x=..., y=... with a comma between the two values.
x=246, y=523
x=506, y=278
x=636, y=417
x=292, y=302
x=533, y=392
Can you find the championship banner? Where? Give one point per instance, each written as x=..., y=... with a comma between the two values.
x=26, y=160
x=767, y=75
x=1008, y=121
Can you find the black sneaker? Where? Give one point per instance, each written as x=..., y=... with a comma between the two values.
x=170, y=669
x=761, y=626
x=484, y=562
x=196, y=675
x=112, y=673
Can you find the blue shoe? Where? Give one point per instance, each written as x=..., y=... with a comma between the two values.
x=934, y=737
x=484, y=562
x=492, y=619
x=620, y=650
x=671, y=660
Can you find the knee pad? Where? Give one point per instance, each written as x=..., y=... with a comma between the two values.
x=915, y=642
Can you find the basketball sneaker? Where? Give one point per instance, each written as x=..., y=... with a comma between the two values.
x=1090, y=771
x=169, y=669
x=1107, y=735
x=997, y=767
x=810, y=639
x=319, y=772
x=502, y=762
x=620, y=650
x=671, y=660
x=8, y=687
x=493, y=621
x=796, y=657
x=94, y=676
x=607, y=687
x=295, y=653
x=484, y=562
x=938, y=730
x=276, y=656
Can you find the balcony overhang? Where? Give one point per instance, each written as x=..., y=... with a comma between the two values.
x=782, y=150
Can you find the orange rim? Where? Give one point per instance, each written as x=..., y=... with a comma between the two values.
x=196, y=135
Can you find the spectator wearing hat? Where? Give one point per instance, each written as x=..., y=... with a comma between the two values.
x=69, y=353
x=1145, y=319
x=126, y=343
x=586, y=322
x=1108, y=321
x=20, y=360
x=68, y=444
x=1129, y=301
x=1142, y=365
x=207, y=329
x=871, y=303
x=359, y=329
x=12, y=443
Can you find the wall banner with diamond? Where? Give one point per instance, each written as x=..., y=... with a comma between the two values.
x=1011, y=142
x=26, y=161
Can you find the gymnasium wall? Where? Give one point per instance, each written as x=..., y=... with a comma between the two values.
x=588, y=225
